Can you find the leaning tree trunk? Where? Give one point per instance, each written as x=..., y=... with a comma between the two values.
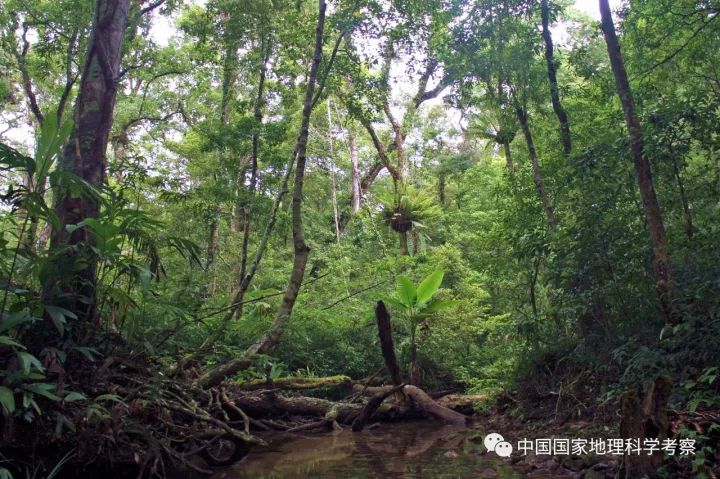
x=552, y=77
x=84, y=156
x=663, y=276
x=301, y=250
x=537, y=172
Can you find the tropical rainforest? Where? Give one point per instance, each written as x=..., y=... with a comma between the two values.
x=222, y=220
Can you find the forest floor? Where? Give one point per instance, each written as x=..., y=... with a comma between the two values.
x=137, y=423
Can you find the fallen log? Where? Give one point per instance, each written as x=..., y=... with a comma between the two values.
x=269, y=404
x=297, y=383
x=422, y=403
x=462, y=403
x=372, y=405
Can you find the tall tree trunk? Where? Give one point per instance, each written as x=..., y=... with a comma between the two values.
x=84, y=156
x=663, y=276
x=301, y=250
x=404, y=249
x=245, y=275
x=689, y=230
x=552, y=76
x=333, y=183
x=537, y=172
x=213, y=244
x=30, y=232
x=441, y=188
x=237, y=219
x=354, y=165
x=508, y=156
x=247, y=210
x=230, y=71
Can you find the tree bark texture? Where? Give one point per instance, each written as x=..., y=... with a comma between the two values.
x=386, y=342
x=84, y=156
x=552, y=77
x=653, y=215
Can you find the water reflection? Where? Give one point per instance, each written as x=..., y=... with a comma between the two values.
x=404, y=450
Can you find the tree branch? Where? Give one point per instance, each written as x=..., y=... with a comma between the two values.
x=21, y=57
x=151, y=7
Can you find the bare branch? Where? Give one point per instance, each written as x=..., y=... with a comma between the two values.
x=151, y=7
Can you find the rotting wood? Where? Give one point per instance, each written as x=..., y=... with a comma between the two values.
x=646, y=418
x=386, y=342
x=372, y=405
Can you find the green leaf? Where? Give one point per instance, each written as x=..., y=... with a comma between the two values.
x=8, y=341
x=58, y=316
x=406, y=291
x=7, y=399
x=110, y=397
x=42, y=389
x=27, y=361
x=11, y=320
x=429, y=286
x=89, y=353
x=62, y=421
x=693, y=404
x=437, y=305
x=74, y=396
x=394, y=303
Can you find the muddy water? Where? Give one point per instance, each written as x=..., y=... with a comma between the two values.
x=403, y=450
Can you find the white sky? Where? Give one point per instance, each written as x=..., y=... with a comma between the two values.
x=163, y=31
x=591, y=7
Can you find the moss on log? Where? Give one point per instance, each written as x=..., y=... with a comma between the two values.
x=297, y=383
x=272, y=405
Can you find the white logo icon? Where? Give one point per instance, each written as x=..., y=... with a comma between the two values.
x=503, y=449
x=495, y=442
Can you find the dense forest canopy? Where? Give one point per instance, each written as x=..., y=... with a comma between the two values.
x=219, y=192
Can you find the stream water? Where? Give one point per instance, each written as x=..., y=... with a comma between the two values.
x=421, y=449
